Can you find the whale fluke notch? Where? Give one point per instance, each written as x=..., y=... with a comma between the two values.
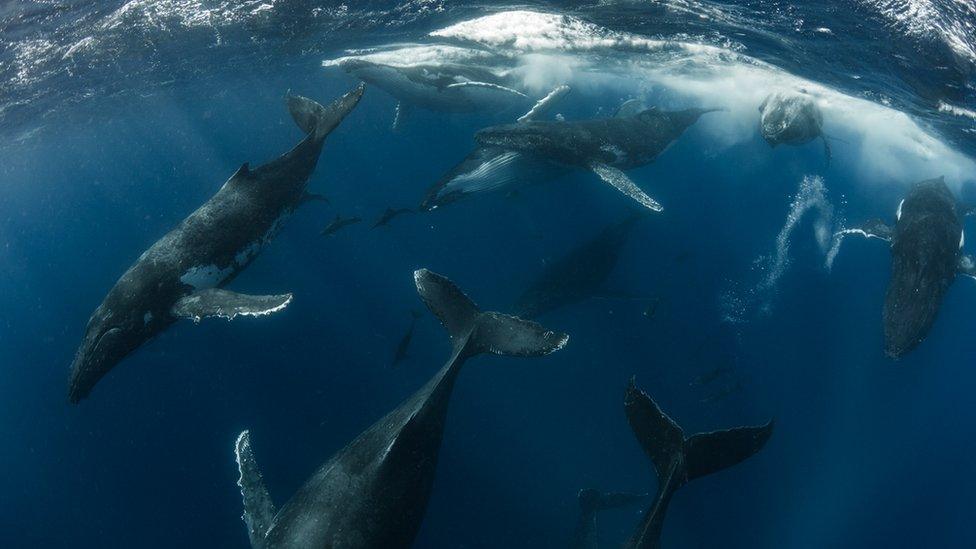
x=476, y=332
x=678, y=460
x=215, y=302
x=259, y=510
x=312, y=117
x=619, y=180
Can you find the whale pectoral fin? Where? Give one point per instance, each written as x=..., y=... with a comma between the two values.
x=967, y=265
x=622, y=183
x=543, y=105
x=215, y=302
x=259, y=510
x=401, y=114
x=874, y=228
x=485, y=85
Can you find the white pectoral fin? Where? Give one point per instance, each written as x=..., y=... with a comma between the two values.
x=485, y=85
x=874, y=228
x=624, y=184
x=543, y=105
x=215, y=302
x=967, y=265
x=259, y=510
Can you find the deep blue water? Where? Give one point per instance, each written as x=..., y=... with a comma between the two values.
x=104, y=150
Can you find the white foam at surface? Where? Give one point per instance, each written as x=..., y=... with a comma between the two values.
x=882, y=145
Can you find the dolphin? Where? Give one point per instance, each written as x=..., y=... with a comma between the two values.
x=591, y=502
x=926, y=255
x=445, y=79
x=388, y=215
x=338, y=223
x=183, y=273
x=373, y=493
x=791, y=119
x=677, y=459
x=531, y=149
x=580, y=274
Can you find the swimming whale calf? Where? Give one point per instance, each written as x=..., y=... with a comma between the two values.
x=463, y=84
x=791, y=119
x=592, y=502
x=533, y=149
x=373, y=493
x=926, y=255
x=182, y=274
x=679, y=460
x=580, y=274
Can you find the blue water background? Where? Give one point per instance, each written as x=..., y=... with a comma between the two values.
x=866, y=452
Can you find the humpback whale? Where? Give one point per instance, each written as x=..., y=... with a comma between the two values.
x=531, y=149
x=578, y=275
x=792, y=119
x=926, y=254
x=456, y=87
x=591, y=502
x=677, y=459
x=373, y=493
x=183, y=273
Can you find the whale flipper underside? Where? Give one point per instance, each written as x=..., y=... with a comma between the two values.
x=259, y=510
x=215, y=302
x=619, y=180
x=677, y=459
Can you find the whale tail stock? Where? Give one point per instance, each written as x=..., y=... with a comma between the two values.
x=474, y=332
x=313, y=117
x=678, y=460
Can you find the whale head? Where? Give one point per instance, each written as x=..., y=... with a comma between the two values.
x=123, y=322
x=789, y=119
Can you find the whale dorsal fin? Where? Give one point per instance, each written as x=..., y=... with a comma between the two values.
x=259, y=510
x=543, y=105
x=619, y=180
x=214, y=302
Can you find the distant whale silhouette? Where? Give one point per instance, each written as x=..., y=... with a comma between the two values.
x=926, y=255
x=592, y=502
x=533, y=149
x=580, y=274
x=679, y=460
x=181, y=275
x=373, y=493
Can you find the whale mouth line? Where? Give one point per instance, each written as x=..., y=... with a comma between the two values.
x=101, y=336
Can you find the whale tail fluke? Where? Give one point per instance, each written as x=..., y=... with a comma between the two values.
x=313, y=117
x=259, y=510
x=679, y=460
x=483, y=332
